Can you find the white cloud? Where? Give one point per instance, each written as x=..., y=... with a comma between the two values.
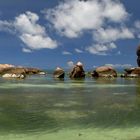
x=27, y=23
x=70, y=64
x=66, y=53
x=31, y=33
x=114, y=11
x=119, y=65
x=6, y=26
x=72, y=18
x=112, y=34
x=101, y=49
x=78, y=50
x=36, y=42
x=26, y=50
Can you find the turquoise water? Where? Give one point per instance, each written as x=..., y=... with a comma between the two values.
x=44, y=108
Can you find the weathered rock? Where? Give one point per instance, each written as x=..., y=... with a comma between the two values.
x=14, y=70
x=31, y=71
x=21, y=70
x=59, y=73
x=9, y=75
x=4, y=67
x=77, y=71
x=104, y=71
x=132, y=72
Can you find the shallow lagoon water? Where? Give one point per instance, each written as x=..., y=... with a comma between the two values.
x=43, y=108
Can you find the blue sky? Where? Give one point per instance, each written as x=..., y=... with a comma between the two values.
x=50, y=33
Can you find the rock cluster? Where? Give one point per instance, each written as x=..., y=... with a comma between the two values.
x=10, y=71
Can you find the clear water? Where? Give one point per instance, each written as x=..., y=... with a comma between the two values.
x=42, y=108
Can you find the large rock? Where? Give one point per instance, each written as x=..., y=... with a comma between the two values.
x=14, y=70
x=21, y=70
x=5, y=67
x=11, y=71
x=77, y=71
x=104, y=71
x=132, y=72
x=59, y=73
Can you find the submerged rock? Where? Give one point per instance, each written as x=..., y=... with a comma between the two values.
x=59, y=73
x=104, y=71
x=77, y=71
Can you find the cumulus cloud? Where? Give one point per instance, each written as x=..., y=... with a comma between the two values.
x=36, y=42
x=27, y=23
x=31, y=33
x=103, y=19
x=101, y=49
x=72, y=18
x=114, y=11
x=112, y=34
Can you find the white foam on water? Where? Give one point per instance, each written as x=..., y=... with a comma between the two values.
x=120, y=93
x=63, y=85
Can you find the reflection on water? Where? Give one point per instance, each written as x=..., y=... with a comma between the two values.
x=42, y=106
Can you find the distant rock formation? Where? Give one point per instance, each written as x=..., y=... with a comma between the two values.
x=7, y=70
x=104, y=71
x=138, y=55
x=59, y=73
x=77, y=71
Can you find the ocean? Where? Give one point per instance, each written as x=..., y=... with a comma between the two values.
x=44, y=108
